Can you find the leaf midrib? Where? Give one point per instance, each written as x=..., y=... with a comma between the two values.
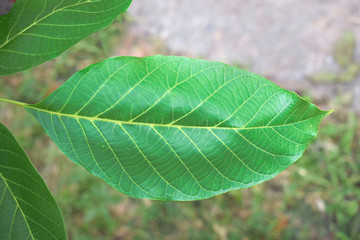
x=17, y=204
x=92, y=119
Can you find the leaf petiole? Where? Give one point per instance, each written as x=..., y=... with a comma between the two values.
x=21, y=104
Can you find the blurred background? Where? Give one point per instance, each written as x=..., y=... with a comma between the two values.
x=309, y=46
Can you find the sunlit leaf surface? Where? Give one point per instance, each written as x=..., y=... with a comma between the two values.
x=174, y=128
x=27, y=209
x=36, y=31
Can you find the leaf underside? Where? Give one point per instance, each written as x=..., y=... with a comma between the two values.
x=36, y=31
x=175, y=128
x=27, y=208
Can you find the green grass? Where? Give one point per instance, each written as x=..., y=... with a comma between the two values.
x=349, y=68
x=316, y=198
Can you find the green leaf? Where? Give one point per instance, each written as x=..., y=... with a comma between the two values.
x=36, y=31
x=27, y=208
x=174, y=128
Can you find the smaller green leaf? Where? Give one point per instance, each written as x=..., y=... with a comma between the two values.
x=36, y=31
x=27, y=208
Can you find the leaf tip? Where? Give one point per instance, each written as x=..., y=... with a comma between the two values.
x=328, y=112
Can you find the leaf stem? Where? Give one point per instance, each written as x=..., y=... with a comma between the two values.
x=21, y=104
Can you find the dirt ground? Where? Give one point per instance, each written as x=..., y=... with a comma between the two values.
x=285, y=40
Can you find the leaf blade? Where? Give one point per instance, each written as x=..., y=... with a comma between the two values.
x=34, y=32
x=174, y=128
x=27, y=208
